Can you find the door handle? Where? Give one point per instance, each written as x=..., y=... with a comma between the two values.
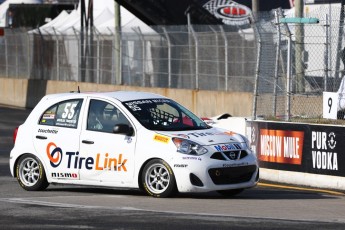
x=87, y=142
x=41, y=137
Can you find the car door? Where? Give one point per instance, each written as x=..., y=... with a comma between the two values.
x=57, y=136
x=106, y=156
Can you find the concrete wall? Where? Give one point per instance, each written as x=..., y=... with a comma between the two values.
x=26, y=93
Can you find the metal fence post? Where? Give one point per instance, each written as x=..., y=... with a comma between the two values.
x=326, y=68
x=288, y=79
x=29, y=54
x=6, y=55
x=169, y=56
x=120, y=61
x=217, y=55
x=138, y=32
x=196, y=57
x=276, y=69
x=288, y=74
x=57, y=56
x=330, y=35
x=257, y=69
x=113, y=67
x=118, y=51
x=79, y=54
x=97, y=56
x=143, y=56
x=339, y=43
x=225, y=57
x=17, y=55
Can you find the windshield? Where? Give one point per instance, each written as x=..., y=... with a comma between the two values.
x=164, y=115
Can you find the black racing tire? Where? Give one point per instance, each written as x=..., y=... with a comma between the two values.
x=230, y=193
x=30, y=173
x=158, y=180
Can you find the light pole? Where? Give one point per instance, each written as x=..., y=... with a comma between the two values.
x=299, y=48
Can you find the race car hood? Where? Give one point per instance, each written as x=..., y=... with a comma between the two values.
x=211, y=136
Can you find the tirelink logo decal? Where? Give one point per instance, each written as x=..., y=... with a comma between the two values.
x=55, y=156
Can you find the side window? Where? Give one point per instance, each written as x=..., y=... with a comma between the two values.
x=48, y=117
x=62, y=114
x=104, y=116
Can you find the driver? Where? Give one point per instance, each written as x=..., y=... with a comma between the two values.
x=95, y=117
x=93, y=121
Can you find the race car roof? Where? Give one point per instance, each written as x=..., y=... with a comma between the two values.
x=119, y=95
x=131, y=95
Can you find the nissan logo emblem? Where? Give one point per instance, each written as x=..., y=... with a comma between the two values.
x=232, y=155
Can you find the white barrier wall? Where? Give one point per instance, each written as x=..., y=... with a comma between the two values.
x=26, y=93
x=299, y=153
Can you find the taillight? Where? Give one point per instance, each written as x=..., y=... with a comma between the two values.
x=15, y=135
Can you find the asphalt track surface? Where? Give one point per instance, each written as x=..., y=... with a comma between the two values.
x=74, y=207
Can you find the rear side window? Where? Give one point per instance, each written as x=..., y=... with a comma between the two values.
x=62, y=114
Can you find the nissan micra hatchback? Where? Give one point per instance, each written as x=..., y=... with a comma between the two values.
x=128, y=140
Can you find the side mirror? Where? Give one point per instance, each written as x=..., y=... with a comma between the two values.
x=123, y=129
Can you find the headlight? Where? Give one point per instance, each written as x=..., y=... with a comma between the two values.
x=188, y=147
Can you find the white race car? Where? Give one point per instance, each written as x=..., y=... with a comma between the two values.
x=129, y=140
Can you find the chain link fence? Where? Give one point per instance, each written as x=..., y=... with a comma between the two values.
x=195, y=57
x=297, y=63
x=286, y=66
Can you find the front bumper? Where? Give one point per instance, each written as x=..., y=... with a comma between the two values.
x=203, y=174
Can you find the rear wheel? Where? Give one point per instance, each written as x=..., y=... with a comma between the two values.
x=230, y=193
x=30, y=173
x=158, y=179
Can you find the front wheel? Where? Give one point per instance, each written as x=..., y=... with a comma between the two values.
x=30, y=173
x=158, y=179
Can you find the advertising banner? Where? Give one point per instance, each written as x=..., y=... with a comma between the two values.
x=304, y=148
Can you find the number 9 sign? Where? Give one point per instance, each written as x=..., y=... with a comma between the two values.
x=330, y=105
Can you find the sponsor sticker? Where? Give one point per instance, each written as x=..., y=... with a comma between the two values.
x=191, y=158
x=136, y=105
x=227, y=147
x=52, y=131
x=324, y=155
x=180, y=165
x=100, y=162
x=48, y=116
x=161, y=138
x=54, y=154
x=64, y=175
x=281, y=146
